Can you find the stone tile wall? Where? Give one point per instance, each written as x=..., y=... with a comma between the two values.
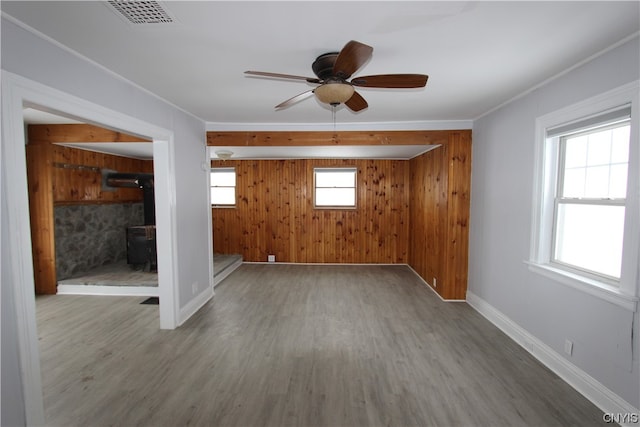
x=89, y=236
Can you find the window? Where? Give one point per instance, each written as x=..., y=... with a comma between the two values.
x=585, y=225
x=335, y=187
x=223, y=187
x=590, y=199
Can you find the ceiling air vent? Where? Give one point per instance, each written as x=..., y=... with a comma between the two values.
x=142, y=12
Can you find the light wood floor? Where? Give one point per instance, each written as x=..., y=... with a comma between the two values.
x=296, y=345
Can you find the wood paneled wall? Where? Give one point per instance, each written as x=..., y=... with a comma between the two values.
x=275, y=214
x=436, y=185
x=439, y=215
x=76, y=176
x=63, y=175
x=428, y=214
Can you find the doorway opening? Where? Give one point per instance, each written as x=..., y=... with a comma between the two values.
x=88, y=203
x=20, y=93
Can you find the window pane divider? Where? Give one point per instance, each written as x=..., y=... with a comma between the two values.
x=599, y=202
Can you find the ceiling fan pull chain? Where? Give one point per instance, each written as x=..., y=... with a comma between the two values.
x=333, y=116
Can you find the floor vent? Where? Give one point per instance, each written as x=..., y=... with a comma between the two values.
x=142, y=12
x=151, y=301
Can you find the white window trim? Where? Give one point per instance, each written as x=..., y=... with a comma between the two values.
x=224, y=169
x=545, y=169
x=341, y=169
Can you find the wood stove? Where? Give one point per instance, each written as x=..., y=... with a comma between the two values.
x=141, y=239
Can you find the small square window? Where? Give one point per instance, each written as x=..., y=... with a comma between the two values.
x=223, y=187
x=335, y=188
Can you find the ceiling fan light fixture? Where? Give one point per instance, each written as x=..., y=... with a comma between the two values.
x=224, y=154
x=334, y=93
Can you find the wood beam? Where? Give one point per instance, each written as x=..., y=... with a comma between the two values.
x=304, y=138
x=51, y=134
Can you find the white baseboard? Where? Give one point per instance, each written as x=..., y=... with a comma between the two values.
x=224, y=273
x=141, y=291
x=195, y=304
x=585, y=384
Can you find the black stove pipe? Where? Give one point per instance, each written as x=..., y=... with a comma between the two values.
x=137, y=180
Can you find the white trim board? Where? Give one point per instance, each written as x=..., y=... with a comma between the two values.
x=195, y=304
x=585, y=384
x=342, y=127
x=140, y=291
x=217, y=278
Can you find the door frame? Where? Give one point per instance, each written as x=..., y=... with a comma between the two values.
x=17, y=93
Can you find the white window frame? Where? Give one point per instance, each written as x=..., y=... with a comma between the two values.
x=602, y=124
x=354, y=170
x=625, y=292
x=224, y=169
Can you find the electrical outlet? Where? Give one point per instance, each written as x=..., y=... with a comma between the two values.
x=271, y=258
x=194, y=288
x=435, y=283
x=568, y=347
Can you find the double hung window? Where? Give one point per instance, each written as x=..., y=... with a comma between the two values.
x=586, y=222
x=590, y=200
x=335, y=188
x=223, y=187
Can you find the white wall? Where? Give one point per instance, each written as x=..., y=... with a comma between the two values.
x=42, y=61
x=501, y=213
x=12, y=403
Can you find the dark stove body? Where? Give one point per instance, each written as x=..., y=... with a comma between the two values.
x=141, y=239
x=141, y=247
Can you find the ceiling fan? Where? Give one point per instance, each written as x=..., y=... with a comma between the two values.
x=333, y=70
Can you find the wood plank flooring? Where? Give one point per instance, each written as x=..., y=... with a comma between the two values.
x=296, y=345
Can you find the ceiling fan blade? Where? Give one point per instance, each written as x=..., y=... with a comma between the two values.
x=356, y=102
x=352, y=56
x=283, y=76
x=295, y=99
x=391, y=81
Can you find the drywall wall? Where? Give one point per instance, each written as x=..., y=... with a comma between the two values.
x=29, y=56
x=501, y=215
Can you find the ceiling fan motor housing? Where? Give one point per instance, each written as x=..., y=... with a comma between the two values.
x=323, y=65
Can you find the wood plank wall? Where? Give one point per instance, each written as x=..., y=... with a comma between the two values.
x=76, y=176
x=428, y=214
x=441, y=188
x=275, y=214
x=79, y=182
x=436, y=185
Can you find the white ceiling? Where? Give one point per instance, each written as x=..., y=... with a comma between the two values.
x=397, y=152
x=478, y=55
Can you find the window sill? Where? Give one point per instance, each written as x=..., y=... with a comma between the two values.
x=335, y=208
x=592, y=287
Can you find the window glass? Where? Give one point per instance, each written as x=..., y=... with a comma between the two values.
x=589, y=237
x=590, y=202
x=335, y=187
x=223, y=186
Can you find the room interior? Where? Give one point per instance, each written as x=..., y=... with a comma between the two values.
x=82, y=224
x=458, y=214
